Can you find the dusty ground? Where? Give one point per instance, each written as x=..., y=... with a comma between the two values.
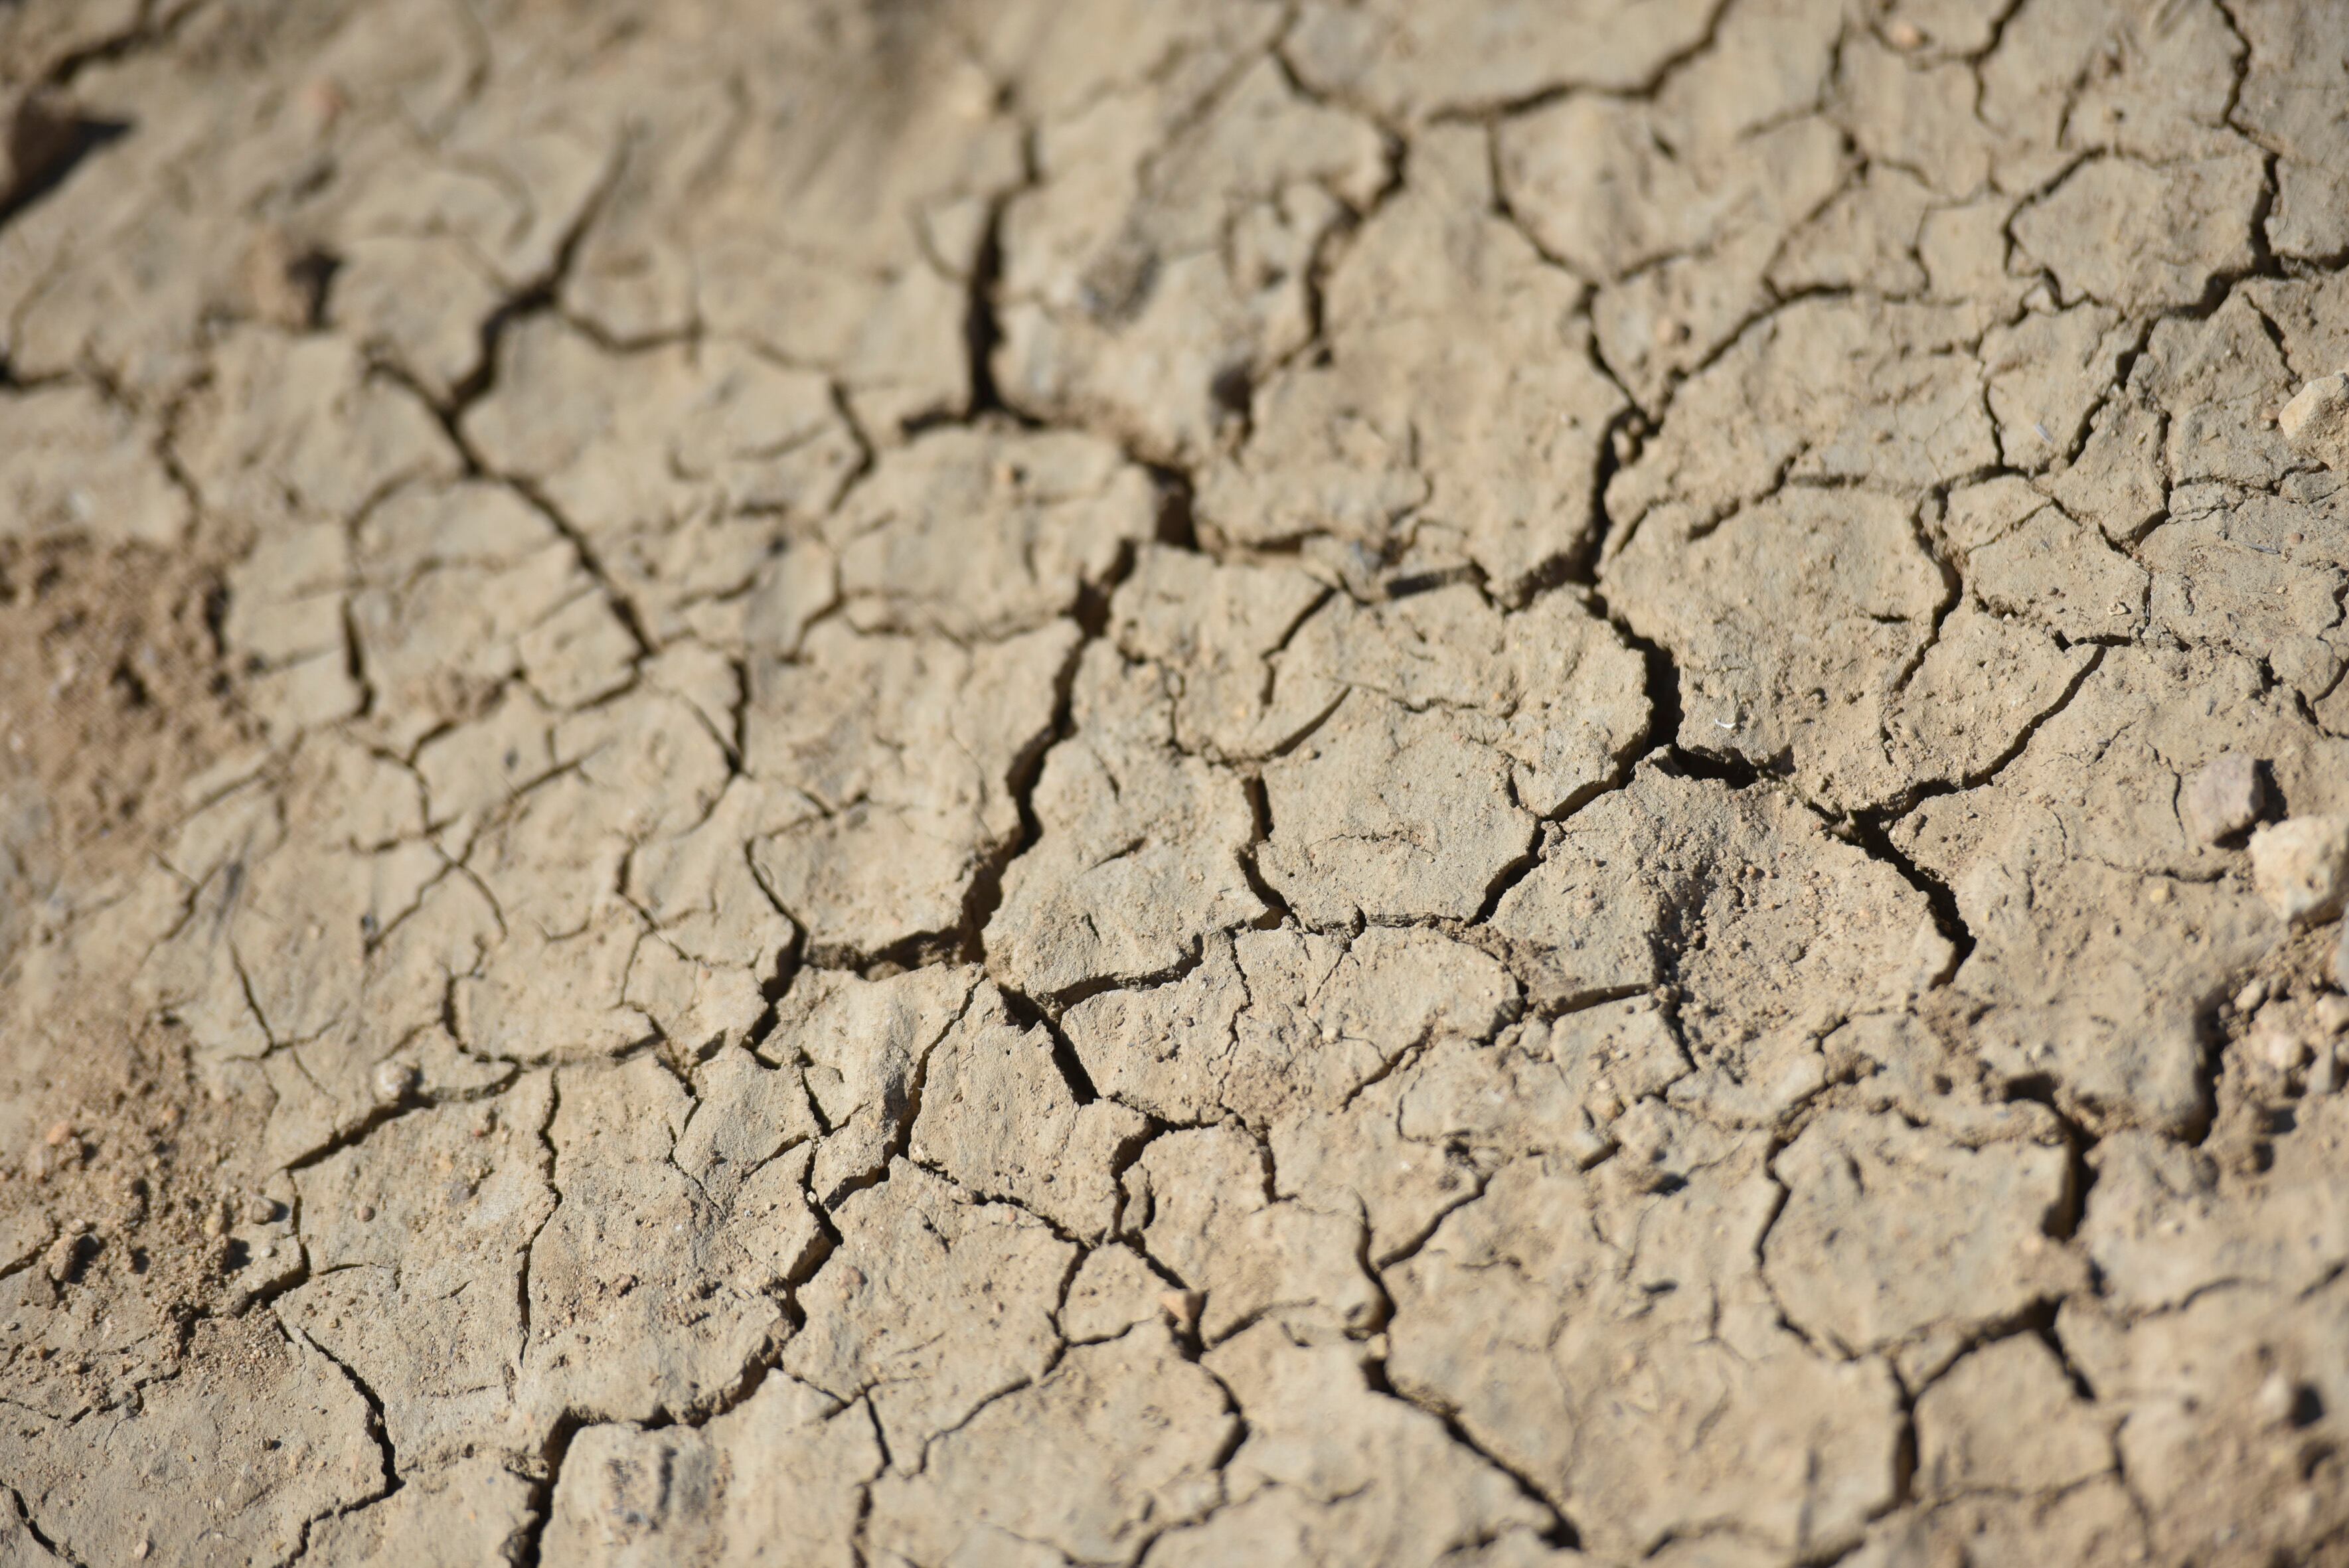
x=969, y=782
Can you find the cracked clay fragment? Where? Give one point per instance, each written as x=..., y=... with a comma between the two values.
x=1352, y=1474
x=242, y=1462
x=470, y=1512
x=1404, y=436
x=645, y=1295
x=1868, y=1196
x=978, y=535
x=1906, y=692
x=783, y=1471
x=2125, y=233
x=423, y=1296
x=1199, y=1197
x=933, y=1306
x=1139, y=859
x=862, y=1046
x=1624, y=881
x=1649, y=1387
x=1387, y=814
x=904, y=752
x=1272, y=1022
x=69, y=460
x=1118, y=1442
x=999, y=1118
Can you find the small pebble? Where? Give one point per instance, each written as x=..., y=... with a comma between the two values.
x=2315, y=423
x=2333, y=1014
x=2273, y=1402
x=1905, y=37
x=394, y=1081
x=57, y=1133
x=1182, y=1306
x=2248, y=998
x=2281, y=1050
x=2300, y=868
x=2223, y=798
x=367, y=1211
x=2324, y=1072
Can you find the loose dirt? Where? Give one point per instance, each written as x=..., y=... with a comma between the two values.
x=971, y=783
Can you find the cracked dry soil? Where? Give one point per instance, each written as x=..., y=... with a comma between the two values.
x=957, y=783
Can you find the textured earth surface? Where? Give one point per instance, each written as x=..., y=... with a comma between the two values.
x=957, y=783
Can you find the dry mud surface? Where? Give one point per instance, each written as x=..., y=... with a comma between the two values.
x=1000, y=782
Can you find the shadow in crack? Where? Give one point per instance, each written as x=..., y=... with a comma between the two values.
x=45, y=138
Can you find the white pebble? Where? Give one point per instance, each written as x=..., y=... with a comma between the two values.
x=2300, y=868
x=2324, y=1072
x=2280, y=1048
x=394, y=1082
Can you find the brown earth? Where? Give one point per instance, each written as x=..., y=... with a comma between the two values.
x=965, y=782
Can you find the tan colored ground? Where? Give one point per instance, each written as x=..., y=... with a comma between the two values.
x=1027, y=782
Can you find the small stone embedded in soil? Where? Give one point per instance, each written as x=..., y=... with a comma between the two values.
x=2316, y=421
x=2279, y=1047
x=2223, y=798
x=2302, y=867
x=2324, y=1074
x=394, y=1082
